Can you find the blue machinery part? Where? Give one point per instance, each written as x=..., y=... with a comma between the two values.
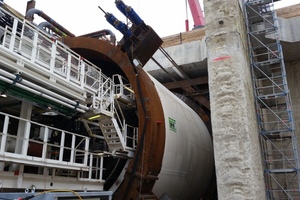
x=120, y=26
x=129, y=12
x=142, y=40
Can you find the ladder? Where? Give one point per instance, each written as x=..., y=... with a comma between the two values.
x=273, y=105
x=112, y=133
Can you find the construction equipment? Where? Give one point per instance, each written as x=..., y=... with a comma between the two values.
x=78, y=114
x=197, y=14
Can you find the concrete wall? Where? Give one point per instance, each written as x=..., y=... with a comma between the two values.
x=192, y=52
x=288, y=29
x=235, y=133
x=293, y=74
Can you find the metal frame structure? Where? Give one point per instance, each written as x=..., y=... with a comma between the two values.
x=39, y=69
x=273, y=104
x=197, y=13
x=55, y=195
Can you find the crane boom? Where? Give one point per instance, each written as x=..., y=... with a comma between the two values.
x=197, y=13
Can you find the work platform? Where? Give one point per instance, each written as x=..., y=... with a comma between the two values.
x=45, y=84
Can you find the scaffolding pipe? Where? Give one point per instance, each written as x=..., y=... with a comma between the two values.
x=43, y=25
x=40, y=94
x=101, y=33
x=30, y=13
x=27, y=84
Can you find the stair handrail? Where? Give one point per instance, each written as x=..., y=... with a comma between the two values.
x=122, y=85
x=106, y=96
x=120, y=117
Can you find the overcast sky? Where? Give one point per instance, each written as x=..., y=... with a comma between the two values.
x=166, y=17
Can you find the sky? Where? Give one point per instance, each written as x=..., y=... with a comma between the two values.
x=166, y=17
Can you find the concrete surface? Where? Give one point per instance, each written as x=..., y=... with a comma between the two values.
x=222, y=54
x=192, y=56
x=289, y=29
x=293, y=74
x=235, y=133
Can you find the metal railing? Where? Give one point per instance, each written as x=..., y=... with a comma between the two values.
x=43, y=53
x=46, y=146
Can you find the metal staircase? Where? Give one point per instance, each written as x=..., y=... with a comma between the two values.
x=273, y=105
x=112, y=133
x=108, y=122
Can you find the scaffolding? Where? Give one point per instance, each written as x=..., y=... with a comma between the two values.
x=273, y=104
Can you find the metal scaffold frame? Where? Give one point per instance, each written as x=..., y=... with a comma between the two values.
x=273, y=104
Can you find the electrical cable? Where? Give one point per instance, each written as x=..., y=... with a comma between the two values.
x=142, y=169
x=142, y=138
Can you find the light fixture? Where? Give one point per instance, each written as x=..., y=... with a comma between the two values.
x=50, y=113
x=129, y=89
x=3, y=95
x=94, y=117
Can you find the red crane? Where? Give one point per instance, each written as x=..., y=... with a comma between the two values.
x=197, y=15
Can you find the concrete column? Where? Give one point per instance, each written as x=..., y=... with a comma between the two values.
x=235, y=132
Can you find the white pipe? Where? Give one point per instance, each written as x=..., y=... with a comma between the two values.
x=43, y=71
x=40, y=94
x=27, y=83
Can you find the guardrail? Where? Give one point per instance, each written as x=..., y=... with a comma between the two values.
x=41, y=145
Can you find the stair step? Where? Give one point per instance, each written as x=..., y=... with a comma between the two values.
x=116, y=146
x=112, y=139
x=106, y=124
x=111, y=133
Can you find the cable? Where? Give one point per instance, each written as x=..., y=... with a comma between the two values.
x=49, y=191
x=140, y=147
x=142, y=169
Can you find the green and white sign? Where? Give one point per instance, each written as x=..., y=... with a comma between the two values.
x=172, y=124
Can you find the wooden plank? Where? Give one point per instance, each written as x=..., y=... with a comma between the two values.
x=185, y=37
x=289, y=12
